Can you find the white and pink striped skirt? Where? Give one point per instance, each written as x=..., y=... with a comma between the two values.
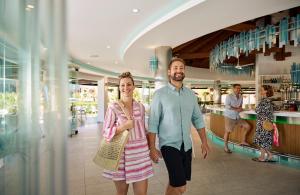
x=135, y=164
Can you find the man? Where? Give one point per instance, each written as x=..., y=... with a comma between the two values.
x=173, y=109
x=233, y=107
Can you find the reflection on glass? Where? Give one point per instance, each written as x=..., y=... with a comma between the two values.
x=33, y=94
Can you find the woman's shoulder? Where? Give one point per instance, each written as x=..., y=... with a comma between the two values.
x=113, y=105
x=137, y=104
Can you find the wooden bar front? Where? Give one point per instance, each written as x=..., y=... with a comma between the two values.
x=289, y=135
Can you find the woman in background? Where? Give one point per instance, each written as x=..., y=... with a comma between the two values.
x=264, y=138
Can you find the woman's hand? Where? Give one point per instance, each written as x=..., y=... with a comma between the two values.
x=128, y=125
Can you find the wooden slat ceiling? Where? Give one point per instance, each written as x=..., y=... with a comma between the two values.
x=196, y=52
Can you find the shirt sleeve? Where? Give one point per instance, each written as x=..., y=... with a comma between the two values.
x=242, y=100
x=227, y=102
x=110, y=124
x=155, y=112
x=197, y=116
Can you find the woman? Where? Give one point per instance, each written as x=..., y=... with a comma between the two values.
x=135, y=164
x=263, y=138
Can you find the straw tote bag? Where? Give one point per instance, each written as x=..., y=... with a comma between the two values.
x=268, y=125
x=109, y=152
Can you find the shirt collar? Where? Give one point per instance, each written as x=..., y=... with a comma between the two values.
x=172, y=87
x=234, y=95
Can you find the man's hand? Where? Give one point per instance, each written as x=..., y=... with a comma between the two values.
x=204, y=150
x=240, y=109
x=155, y=155
x=204, y=146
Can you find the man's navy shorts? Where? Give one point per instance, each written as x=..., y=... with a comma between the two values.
x=178, y=164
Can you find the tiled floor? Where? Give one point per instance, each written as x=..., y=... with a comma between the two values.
x=221, y=173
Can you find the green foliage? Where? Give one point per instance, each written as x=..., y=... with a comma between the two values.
x=88, y=106
x=9, y=102
x=137, y=96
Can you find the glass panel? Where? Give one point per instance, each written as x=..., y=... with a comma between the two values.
x=33, y=94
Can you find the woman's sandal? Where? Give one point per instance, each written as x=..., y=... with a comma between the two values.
x=258, y=160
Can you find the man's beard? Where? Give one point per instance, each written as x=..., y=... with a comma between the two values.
x=178, y=76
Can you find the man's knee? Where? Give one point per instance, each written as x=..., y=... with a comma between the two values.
x=247, y=127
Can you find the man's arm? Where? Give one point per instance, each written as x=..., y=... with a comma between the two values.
x=154, y=153
x=154, y=120
x=229, y=106
x=204, y=146
x=198, y=122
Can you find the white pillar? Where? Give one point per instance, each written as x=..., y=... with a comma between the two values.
x=164, y=55
x=102, y=100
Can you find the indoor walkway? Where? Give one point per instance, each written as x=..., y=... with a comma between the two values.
x=221, y=173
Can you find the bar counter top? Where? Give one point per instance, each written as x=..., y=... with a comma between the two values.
x=280, y=117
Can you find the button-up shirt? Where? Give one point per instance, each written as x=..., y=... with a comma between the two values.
x=171, y=114
x=232, y=100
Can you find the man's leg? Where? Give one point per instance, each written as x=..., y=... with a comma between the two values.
x=175, y=161
x=175, y=190
x=246, y=129
x=226, y=137
x=229, y=125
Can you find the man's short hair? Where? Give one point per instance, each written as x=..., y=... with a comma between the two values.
x=175, y=60
x=235, y=85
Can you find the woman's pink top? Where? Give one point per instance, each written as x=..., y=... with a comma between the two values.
x=135, y=164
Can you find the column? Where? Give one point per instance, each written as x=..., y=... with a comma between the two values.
x=102, y=99
x=164, y=55
x=217, y=92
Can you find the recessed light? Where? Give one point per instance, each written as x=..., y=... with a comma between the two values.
x=135, y=10
x=108, y=47
x=30, y=6
x=94, y=56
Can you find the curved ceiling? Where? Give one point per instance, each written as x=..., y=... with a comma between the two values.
x=95, y=24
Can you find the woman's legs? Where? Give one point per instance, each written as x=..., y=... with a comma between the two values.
x=262, y=154
x=122, y=187
x=140, y=187
x=269, y=154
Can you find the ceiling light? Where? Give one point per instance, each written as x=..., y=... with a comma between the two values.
x=30, y=6
x=94, y=56
x=108, y=47
x=135, y=10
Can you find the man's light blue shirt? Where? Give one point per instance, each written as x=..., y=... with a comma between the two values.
x=232, y=100
x=171, y=114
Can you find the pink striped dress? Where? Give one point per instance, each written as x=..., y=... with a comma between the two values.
x=135, y=164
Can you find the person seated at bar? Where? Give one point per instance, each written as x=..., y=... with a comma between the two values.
x=233, y=107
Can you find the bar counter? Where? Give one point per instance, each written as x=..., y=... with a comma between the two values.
x=288, y=124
